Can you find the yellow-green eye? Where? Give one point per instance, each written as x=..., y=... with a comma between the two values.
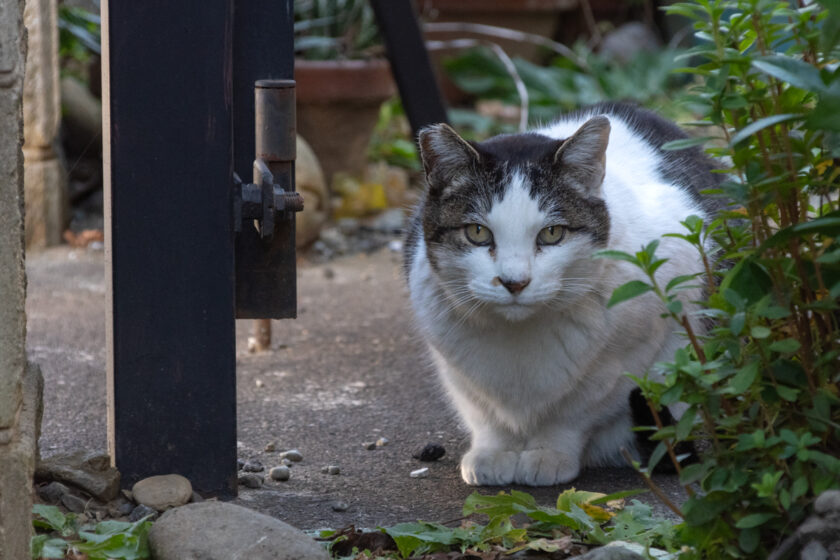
x=478, y=234
x=551, y=235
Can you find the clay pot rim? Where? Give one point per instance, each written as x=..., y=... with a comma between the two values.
x=327, y=81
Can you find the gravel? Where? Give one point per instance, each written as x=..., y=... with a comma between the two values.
x=253, y=466
x=292, y=455
x=280, y=473
x=420, y=473
x=250, y=480
x=340, y=506
x=430, y=452
x=331, y=469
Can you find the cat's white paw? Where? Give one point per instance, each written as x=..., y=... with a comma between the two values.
x=544, y=467
x=484, y=467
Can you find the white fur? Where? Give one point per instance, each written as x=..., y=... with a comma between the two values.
x=538, y=377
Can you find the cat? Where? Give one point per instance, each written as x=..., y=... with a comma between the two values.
x=512, y=304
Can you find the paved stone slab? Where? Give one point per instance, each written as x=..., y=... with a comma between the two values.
x=222, y=531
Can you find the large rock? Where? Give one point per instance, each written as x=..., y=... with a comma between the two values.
x=310, y=182
x=90, y=471
x=162, y=492
x=221, y=531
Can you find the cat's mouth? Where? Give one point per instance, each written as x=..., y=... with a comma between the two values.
x=514, y=311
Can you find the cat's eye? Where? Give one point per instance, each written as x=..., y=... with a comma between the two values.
x=551, y=235
x=478, y=234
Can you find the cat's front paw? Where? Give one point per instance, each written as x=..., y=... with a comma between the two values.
x=484, y=467
x=544, y=467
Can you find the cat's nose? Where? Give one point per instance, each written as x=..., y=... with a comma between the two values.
x=514, y=286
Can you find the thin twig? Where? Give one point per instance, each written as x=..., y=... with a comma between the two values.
x=509, y=34
x=657, y=491
x=596, y=38
x=510, y=67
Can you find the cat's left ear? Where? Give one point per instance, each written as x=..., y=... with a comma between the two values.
x=445, y=156
x=584, y=155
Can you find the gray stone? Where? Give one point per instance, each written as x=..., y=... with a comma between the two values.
x=223, y=531
x=382, y=442
x=280, y=473
x=196, y=497
x=253, y=466
x=814, y=551
x=292, y=455
x=140, y=512
x=611, y=553
x=420, y=473
x=331, y=469
x=73, y=503
x=52, y=492
x=250, y=480
x=369, y=445
x=90, y=471
x=340, y=506
x=270, y=446
x=827, y=504
x=163, y=491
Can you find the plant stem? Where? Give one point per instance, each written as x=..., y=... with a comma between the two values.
x=657, y=491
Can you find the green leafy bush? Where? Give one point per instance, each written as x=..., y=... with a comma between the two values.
x=762, y=384
x=60, y=535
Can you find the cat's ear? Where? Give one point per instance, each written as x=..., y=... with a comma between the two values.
x=585, y=153
x=445, y=155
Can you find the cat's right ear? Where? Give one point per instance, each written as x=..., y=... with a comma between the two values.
x=445, y=155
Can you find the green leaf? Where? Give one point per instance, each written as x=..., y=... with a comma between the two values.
x=631, y=289
x=685, y=143
x=786, y=346
x=744, y=378
x=676, y=281
x=52, y=515
x=619, y=496
x=615, y=255
x=760, y=332
x=787, y=393
x=793, y=71
x=754, y=520
x=686, y=423
x=761, y=124
x=692, y=473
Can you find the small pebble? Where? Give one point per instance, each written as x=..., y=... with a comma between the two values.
x=140, y=512
x=196, y=498
x=280, y=473
x=331, y=469
x=253, y=466
x=431, y=452
x=340, y=506
x=73, y=503
x=270, y=446
x=292, y=455
x=259, y=383
x=250, y=480
x=285, y=462
x=420, y=473
x=329, y=273
x=239, y=464
x=369, y=445
x=125, y=508
x=382, y=442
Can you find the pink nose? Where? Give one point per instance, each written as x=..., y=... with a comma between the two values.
x=514, y=286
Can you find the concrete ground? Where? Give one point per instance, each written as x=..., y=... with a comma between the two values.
x=349, y=370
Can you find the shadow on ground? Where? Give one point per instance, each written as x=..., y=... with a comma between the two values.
x=349, y=370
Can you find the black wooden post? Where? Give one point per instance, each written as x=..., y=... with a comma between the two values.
x=410, y=64
x=169, y=240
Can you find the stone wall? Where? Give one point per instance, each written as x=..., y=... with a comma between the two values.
x=46, y=205
x=20, y=386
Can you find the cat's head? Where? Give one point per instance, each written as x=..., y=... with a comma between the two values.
x=510, y=223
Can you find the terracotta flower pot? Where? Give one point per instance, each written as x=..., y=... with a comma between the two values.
x=337, y=108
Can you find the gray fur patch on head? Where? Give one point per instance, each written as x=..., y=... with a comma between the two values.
x=584, y=155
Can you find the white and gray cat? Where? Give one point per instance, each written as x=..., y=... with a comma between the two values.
x=513, y=306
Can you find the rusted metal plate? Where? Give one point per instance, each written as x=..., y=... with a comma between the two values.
x=266, y=284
